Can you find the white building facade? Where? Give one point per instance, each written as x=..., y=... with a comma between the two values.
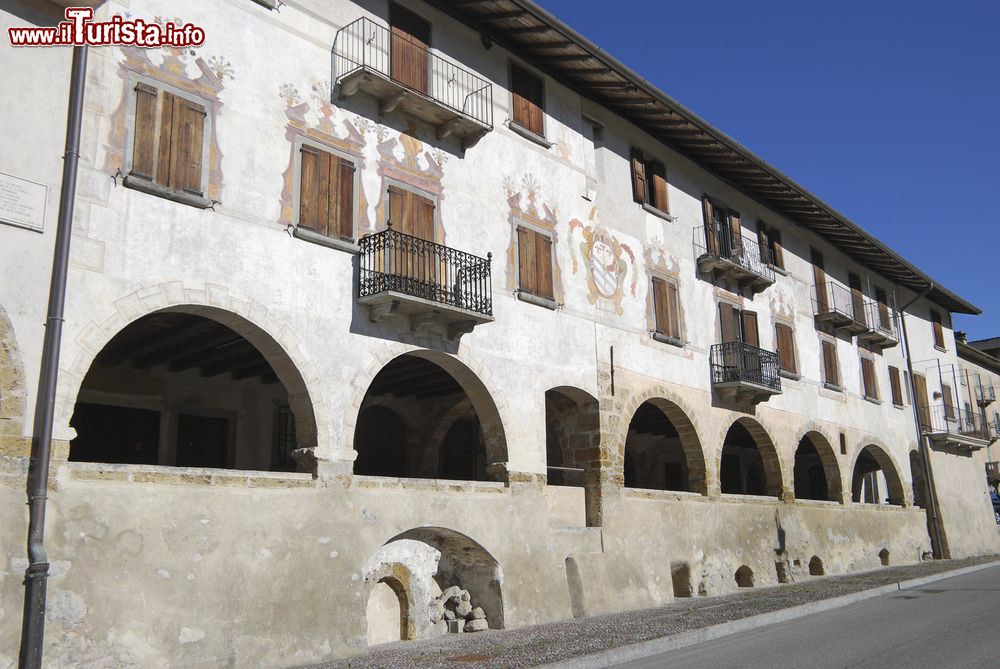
x=586, y=369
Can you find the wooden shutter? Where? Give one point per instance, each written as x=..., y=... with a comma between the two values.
x=727, y=321
x=894, y=387
x=819, y=277
x=920, y=386
x=190, y=128
x=763, y=242
x=786, y=347
x=665, y=306
x=310, y=188
x=144, y=137
x=857, y=298
x=711, y=239
x=750, y=335
x=423, y=217
x=638, y=177
x=949, y=401
x=526, y=260
x=543, y=264
x=830, y=363
x=736, y=232
x=885, y=321
x=868, y=378
x=409, y=48
x=345, y=200
x=164, y=151
x=659, y=199
x=938, y=329
x=673, y=311
x=528, y=93
x=777, y=253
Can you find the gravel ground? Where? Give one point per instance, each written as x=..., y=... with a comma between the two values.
x=552, y=642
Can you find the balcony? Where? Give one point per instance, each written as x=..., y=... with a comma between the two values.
x=840, y=307
x=993, y=472
x=881, y=330
x=436, y=287
x=736, y=258
x=985, y=396
x=743, y=374
x=955, y=427
x=404, y=75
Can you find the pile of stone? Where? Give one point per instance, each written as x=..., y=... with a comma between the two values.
x=452, y=611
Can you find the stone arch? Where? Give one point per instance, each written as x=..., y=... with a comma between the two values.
x=253, y=321
x=774, y=481
x=886, y=464
x=266, y=350
x=399, y=626
x=12, y=391
x=694, y=455
x=676, y=409
x=830, y=465
x=479, y=397
x=573, y=445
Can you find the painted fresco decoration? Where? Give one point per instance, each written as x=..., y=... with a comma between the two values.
x=314, y=117
x=658, y=263
x=604, y=263
x=183, y=68
x=526, y=206
x=404, y=158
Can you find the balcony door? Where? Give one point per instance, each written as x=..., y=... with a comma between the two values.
x=739, y=326
x=924, y=411
x=415, y=257
x=409, y=55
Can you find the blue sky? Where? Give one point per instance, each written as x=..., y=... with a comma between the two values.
x=889, y=111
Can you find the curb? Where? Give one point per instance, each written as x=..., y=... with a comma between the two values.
x=643, y=649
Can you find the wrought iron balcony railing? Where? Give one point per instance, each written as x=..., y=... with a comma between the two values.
x=953, y=421
x=391, y=261
x=738, y=362
x=841, y=306
x=367, y=47
x=739, y=255
x=985, y=395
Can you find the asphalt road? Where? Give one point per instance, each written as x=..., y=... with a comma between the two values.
x=952, y=623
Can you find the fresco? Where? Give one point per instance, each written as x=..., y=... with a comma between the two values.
x=605, y=262
x=526, y=206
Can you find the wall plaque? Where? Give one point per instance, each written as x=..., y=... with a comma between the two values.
x=22, y=202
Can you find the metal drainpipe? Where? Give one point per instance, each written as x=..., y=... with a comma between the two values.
x=939, y=544
x=37, y=573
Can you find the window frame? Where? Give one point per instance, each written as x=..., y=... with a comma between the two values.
x=651, y=167
x=787, y=373
x=871, y=394
x=937, y=329
x=657, y=334
x=514, y=124
x=896, y=386
x=777, y=250
x=836, y=385
x=307, y=234
x=136, y=182
x=521, y=292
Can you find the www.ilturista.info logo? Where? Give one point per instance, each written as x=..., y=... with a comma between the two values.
x=78, y=30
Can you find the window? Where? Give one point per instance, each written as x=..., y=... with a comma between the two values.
x=868, y=379
x=529, y=100
x=411, y=213
x=785, y=340
x=897, y=392
x=949, y=401
x=411, y=37
x=938, y=329
x=884, y=317
x=738, y=325
x=770, y=245
x=723, y=230
x=665, y=308
x=534, y=263
x=326, y=193
x=819, y=278
x=906, y=386
x=831, y=371
x=168, y=144
x=649, y=182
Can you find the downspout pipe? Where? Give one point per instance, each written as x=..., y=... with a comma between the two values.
x=939, y=544
x=37, y=573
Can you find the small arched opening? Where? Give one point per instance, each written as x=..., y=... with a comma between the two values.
x=875, y=479
x=662, y=451
x=427, y=416
x=883, y=557
x=744, y=577
x=203, y=388
x=816, y=473
x=387, y=612
x=816, y=566
x=749, y=463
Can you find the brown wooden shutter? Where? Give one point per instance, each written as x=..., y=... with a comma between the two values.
x=938, y=329
x=711, y=239
x=190, y=130
x=409, y=48
x=857, y=298
x=673, y=311
x=949, y=401
x=345, y=201
x=309, y=188
x=659, y=198
x=528, y=93
x=763, y=242
x=660, y=304
x=750, y=334
x=526, y=260
x=398, y=202
x=830, y=363
x=164, y=150
x=920, y=387
x=777, y=253
x=327, y=192
x=727, y=321
x=543, y=260
x=638, y=177
x=736, y=231
x=885, y=321
x=144, y=139
x=819, y=277
x=423, y=217
x=786, y=347
x=868, y=378
x=894, y=387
